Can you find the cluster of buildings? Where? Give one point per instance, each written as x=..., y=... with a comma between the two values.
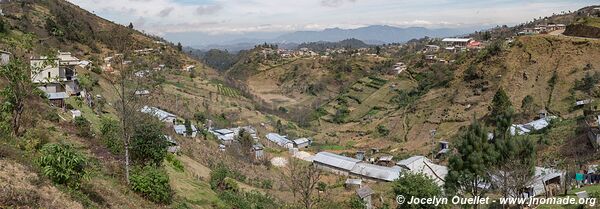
x=536, y=125
x=359, y=169
x=542, y=28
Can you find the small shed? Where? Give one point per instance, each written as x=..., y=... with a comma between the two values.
x=182, y=130
x=353, y=183
x=258, y=151
x=365, y=194
x=58, y=99
x=75, y=113
x=302, y=142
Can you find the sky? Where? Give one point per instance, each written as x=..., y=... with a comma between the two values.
x=231, y=17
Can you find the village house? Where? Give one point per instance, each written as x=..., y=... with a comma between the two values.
x=226, y=136
x=353, y=183
x=372, y=172
x=536, y=125
x=333, y=163
x=302, y=142
x=422, y=165
x=162, y=115
x=456, y=43
x=57, y=99
x=385, y=160
x=56, y=75
x=280, y=140
x=258, y=151
x=398, y=68
x=182, y=130
x=431, y=48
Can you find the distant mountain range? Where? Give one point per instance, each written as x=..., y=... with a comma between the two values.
x=376, y=34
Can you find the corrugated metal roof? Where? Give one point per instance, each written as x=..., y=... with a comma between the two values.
x=456, y=40
x=180, y=129
x=364, y=192
x=337, y=161
x=160, y=114
x=420, y=164
x=301, y=141
x=278, y=139
x=376, y=171
x=58, y=95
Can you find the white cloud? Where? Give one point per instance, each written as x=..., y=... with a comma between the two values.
x=238, y=16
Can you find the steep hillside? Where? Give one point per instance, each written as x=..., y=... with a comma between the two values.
x=37, y=28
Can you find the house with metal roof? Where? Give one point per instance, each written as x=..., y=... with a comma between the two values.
x=422, y=165
x=225, y=135
x=536, y=125
x=374, y=172
x=280, y=140
x=182, y=130
x=162, y=115
x=302, y=142
x=334, y=163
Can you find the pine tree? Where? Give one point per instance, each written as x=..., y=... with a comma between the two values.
x=468, y=167
x=179, y=46
x=501, y=104
x=130, y=26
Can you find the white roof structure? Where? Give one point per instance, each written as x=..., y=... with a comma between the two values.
x=58, y=95
x=354, y=181
x=456, y=40
x=541, y=176
x=336, y=161
x=376, y=171
x=522, y=129
x=224, y=134
x=420, y=164
x=301, y=141
x=181, y=130
x=278, y=139
x=160, y=114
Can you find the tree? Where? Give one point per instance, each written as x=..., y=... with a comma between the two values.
x=302, y=179
x=416, y=185
x=62, y=164
x=500, y=103
x=148, y=144
x=18, y=88
x=279, y=127
x=515, y=165
x=110, y=132
x=468, y=167
x=527, y=104
x=179, y=46
x=130, y=26
x=246, y=143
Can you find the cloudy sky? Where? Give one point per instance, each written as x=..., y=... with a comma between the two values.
x=219, y=17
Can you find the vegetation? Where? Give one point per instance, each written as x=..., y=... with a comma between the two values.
x=62, y=164
x=83, y=127
x=148, y=144
x=110, y=135
x=14, y=94
x=152, y=183
x=418, y=186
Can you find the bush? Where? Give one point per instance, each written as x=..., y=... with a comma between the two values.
x=382, y=130
x=52, y=116
x=62, y=164
x=175, y=162
x=148, y=143
x=83, y=127
x=110, y=132
x=152, y=183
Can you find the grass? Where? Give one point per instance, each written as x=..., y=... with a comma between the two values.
x=228, y=91
x=190, y=190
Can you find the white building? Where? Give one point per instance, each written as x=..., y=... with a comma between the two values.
x=280, y=140
x=302, y=142
x=422, y=165
x=182, y=130
x=337, y=164
x=56, y=74
x=162, y=115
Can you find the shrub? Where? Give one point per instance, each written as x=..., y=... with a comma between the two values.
x=35, y=139
x=175, y=162
x=382, y=130
x=52, y=116
x=83, y=127
x=152, y=183
x=148, y=143
x=110, y=132
x=62, y=164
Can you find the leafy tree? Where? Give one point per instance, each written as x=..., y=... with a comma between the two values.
x=148, y=144
x=514, y=167
x=416, y=185
x=355, y=203
x=15, y=93
x=62, y=164
x=152, y=183
x=279, y=126
x=468, y=167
